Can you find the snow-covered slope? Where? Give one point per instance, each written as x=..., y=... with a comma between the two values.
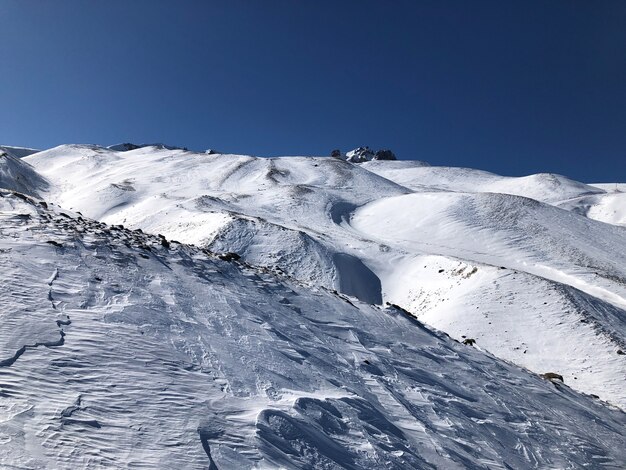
x=603, y=202
x=17, y=175
x=542, y=187
x=504, y=230
x=609, y=207
x=536, y=284
x=382, y=231
x=194, y=197
x=17, y=152
x=120, y=350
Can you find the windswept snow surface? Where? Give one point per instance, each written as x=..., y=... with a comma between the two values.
x=119, y=351
x=515, y=263
x=17, y=175
x=18, y=152
x=194, y=198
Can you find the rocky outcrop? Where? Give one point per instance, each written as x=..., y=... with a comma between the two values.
x=384, y=155
x=364, y=154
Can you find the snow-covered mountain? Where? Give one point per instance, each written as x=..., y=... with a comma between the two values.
x=163, y=354
x=17, y=152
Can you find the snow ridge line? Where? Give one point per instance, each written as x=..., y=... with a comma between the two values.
x=48, y=344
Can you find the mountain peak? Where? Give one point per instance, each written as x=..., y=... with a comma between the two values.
x=364, y=154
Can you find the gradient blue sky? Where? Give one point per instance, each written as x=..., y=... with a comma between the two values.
x=512, y=87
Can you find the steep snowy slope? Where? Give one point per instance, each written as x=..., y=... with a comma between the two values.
x=17, y=175
x=504, y=230
x=339, y=225
x=194, y=197
x=525, y=319
x=120, y=351
x=528, y=263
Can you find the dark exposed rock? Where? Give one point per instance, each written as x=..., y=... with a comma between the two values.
x=384, y=155
x=552, y=376
x=360, y=155
x=229, y=256
x=364, y=154
x=125, y=147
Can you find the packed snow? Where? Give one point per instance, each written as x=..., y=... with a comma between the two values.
x=312, y=350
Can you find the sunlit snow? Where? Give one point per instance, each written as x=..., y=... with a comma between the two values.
x=139, y=346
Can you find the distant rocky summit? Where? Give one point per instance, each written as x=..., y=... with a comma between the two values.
x=126, y=146
x=384, y=155
x=364, y=154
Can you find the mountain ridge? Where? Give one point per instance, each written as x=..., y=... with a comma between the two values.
x=532, y=285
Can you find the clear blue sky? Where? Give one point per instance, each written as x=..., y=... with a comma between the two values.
x=514, y=87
